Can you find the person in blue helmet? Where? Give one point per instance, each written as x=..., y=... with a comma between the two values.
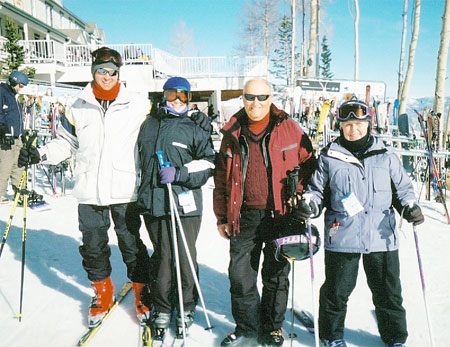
x=359, y=181
x=188, y=148
x=11, y=127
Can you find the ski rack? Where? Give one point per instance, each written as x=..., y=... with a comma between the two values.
x=391, y=139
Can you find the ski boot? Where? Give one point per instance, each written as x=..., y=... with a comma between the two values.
x=141, y=295
x=188, y=321
x=160, y=322
x=273, y=338
x=101, y=302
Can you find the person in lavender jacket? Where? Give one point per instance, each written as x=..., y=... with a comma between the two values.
x=359, y=179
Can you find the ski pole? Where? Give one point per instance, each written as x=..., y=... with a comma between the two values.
x=13, y=210
x=31, y=141
x=292, y=335
x=191, y=263
x=175, y=245
x=422, y=279
x=24, y=238
x=311, y=263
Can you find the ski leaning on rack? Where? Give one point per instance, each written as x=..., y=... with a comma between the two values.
x=92, y=331
x=437, y=185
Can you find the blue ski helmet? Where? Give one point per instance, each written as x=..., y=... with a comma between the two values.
x=177, y=83
x=18, y=77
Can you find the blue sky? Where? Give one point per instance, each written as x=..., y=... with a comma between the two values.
x=215, y=25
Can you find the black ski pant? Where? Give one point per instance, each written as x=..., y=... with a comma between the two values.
x=250, y=312
x=383, y=278
x=94, y=223
x=163, y=284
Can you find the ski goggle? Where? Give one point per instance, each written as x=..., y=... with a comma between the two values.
x=353, y=110
x=252, y=97
x=104, y=72
x=180, y=94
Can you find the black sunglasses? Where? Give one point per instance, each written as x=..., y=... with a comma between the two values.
x=104, y=72
x=251, y=97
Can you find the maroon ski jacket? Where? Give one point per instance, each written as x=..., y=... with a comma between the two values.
x=284, y=147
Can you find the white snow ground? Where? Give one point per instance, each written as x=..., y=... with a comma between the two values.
x=57, y=291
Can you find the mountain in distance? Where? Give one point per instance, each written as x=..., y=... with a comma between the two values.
x=420, y=104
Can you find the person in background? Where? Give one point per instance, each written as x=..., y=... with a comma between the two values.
x=188, y=148
x=260, y=145
x=100, y=131
x=11, y=127
x=358, y=181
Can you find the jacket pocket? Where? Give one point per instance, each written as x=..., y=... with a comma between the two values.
x=85, y=178
x=124, y=184
x=289, y=153
x=124, y=180
x=340, y=186
x=382, y=193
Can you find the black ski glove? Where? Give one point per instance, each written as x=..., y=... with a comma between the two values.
x=3, y=130
x=202, y=121
x=413, y=214
x=28, y=156
x=305, y=210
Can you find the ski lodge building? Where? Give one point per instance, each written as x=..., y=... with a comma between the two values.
x=58, y=44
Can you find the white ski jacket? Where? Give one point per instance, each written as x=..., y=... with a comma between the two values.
x=103, y=146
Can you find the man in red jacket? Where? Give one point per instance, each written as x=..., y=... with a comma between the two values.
x=261, y=144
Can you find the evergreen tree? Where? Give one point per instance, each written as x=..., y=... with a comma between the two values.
x=325, y=60
x=281, y=64
x=16, y=53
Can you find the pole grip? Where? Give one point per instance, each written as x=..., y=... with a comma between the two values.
x=161, y=161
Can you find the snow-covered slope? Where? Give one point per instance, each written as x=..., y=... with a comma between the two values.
x=57, y=292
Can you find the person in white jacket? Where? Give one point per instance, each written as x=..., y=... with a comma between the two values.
x=100, y=131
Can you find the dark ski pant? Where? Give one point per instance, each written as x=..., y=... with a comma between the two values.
x=94, y=223
x=383, y=278
x=250, y=312
x=163, y=284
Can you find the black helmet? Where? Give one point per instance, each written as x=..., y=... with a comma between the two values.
x=293, y=243
x=18, y=77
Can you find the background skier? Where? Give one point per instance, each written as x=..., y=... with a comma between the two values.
x=11, y=127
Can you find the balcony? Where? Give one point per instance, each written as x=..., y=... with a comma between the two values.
x=162, y=64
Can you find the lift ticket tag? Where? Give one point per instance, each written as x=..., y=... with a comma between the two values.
x=352, y=204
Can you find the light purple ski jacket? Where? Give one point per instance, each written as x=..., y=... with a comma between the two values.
x=372, y=181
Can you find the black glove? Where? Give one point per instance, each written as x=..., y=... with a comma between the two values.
x=305, y=210
x=413, y=214
x=3, y=130
x=28, y=156
x=202, y=121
